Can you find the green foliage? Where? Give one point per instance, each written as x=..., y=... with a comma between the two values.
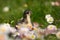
x=51, y=37
x=39, y=9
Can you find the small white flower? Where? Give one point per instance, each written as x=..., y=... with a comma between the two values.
x=52, y=3
x=47, y=16
x=58, y=35
x=6, y=9
x=5, y=28
x=25, y=5
x=31, y=36
x=4, y=31
x=51, y=27
x=50, y=20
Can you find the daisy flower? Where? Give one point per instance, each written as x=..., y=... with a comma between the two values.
x=6, y=9
x=50, y=20
x=30, y=35
x=5, y=28
x=53, y=3
x=51, y=29
x=4, y=31
x=58, y=35
x=47, y=16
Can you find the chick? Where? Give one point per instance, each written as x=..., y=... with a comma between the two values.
x=25, y=20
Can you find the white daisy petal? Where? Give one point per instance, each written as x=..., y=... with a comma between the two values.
x=50, y=20
x=58, y=35
x=6, y=9
x=47, y=16
x=52, y=27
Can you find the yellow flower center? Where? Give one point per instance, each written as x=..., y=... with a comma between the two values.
x=32, y=36
x=51, y=27
x=3, y=29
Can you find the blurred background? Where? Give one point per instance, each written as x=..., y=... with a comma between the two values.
x=12, y=10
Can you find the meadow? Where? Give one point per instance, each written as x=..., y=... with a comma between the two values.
x=39, y=8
